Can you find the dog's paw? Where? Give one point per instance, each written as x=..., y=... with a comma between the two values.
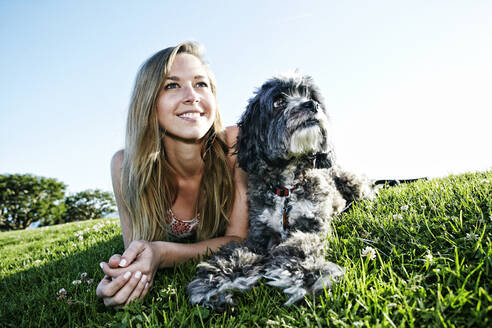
x=289, y=281
x=331, y=274
x=203, y=292
x=295, y=293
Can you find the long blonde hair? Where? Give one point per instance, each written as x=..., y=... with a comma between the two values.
x=149, y=185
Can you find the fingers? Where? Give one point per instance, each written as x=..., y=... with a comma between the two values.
x=124, y=289
x=139, y=288
x=108, y=288
x=114, y=261
x=135, y=248
x=112, y=272
x=146, y=289
x=148, y=285
x=121, y=296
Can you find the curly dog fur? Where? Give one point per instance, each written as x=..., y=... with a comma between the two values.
x=294, y=190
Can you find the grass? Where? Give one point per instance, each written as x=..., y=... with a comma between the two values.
x=432, y=268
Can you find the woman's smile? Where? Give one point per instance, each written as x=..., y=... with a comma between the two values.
x=191, y=116
x=186, y=106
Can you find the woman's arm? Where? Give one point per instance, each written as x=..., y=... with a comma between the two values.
x=126, y=224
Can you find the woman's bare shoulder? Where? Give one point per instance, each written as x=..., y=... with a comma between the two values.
x=231, y=133
x=117, y=162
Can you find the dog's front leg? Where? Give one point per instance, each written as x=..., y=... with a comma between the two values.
x=351, y=186
x=298, y=266
x=233, y=267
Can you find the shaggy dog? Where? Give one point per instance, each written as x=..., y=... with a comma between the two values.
x=294, y=190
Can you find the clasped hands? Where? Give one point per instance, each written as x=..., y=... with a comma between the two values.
x=128, y=276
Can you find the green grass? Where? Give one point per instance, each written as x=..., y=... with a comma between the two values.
x=433, y=268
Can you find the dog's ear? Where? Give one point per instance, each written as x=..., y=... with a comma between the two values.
x=247, y=146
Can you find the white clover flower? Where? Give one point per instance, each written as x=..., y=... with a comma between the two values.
x=404, y=208
x=98, y=227
x=76, y=282
x=37, y=261
x=429, y=257
x=369, y=252
x=62, y=293
x=81, y=237
x=357, y=323
x=90, y=281
x=397, y=217
x=471, y=236
x=273, y=322
x=170, y=290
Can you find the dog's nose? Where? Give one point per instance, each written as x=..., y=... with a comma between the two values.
x=311, y=105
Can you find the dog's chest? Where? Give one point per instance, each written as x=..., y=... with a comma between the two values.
x=288, y=207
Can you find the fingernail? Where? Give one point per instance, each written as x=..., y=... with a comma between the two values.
x=127, y=275
x=144, y=278
x=101, y=265
x=122, y=262
x=138, y=274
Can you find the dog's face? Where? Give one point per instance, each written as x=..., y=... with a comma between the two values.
x=285, y=119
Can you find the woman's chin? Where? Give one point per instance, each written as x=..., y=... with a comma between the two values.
x=188, y=137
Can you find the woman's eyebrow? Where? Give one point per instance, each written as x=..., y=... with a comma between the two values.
x=175, y=78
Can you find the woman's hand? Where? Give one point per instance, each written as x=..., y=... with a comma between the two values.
x=130, y=275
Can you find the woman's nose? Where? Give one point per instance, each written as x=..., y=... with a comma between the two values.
x=191, y=96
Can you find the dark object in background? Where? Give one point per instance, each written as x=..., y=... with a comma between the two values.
x=391, y=183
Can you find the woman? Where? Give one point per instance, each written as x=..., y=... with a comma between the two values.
x=176, y=178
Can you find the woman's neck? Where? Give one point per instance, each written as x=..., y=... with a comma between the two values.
x=184, y=156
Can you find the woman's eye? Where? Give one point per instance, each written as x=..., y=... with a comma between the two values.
x=171, y=86
x=279, y=103
x=202, y=84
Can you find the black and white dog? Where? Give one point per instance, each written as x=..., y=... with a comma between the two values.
x=294, y=190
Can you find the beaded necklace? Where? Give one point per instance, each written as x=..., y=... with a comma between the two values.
x=181, y=228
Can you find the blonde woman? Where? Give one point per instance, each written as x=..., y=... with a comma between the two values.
x=176, y=180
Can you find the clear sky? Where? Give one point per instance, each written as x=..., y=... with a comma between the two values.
x=408, y=84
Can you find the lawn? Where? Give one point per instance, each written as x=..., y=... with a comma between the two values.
x=431, y=266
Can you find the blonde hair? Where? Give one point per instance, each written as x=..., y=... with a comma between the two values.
x=149, y=185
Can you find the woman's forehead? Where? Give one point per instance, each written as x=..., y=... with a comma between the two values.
x=187, y=65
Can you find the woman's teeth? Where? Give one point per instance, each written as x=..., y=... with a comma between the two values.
x=190, y=115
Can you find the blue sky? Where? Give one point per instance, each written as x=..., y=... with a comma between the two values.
x=408, y=84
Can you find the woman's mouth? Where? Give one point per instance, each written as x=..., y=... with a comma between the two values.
x=190, y=116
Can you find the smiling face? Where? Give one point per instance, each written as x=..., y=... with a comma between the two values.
x=186, y=106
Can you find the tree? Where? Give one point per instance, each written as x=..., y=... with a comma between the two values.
x=25, y=198
x=88, y=205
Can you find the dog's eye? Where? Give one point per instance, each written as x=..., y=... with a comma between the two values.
x=278, y=103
